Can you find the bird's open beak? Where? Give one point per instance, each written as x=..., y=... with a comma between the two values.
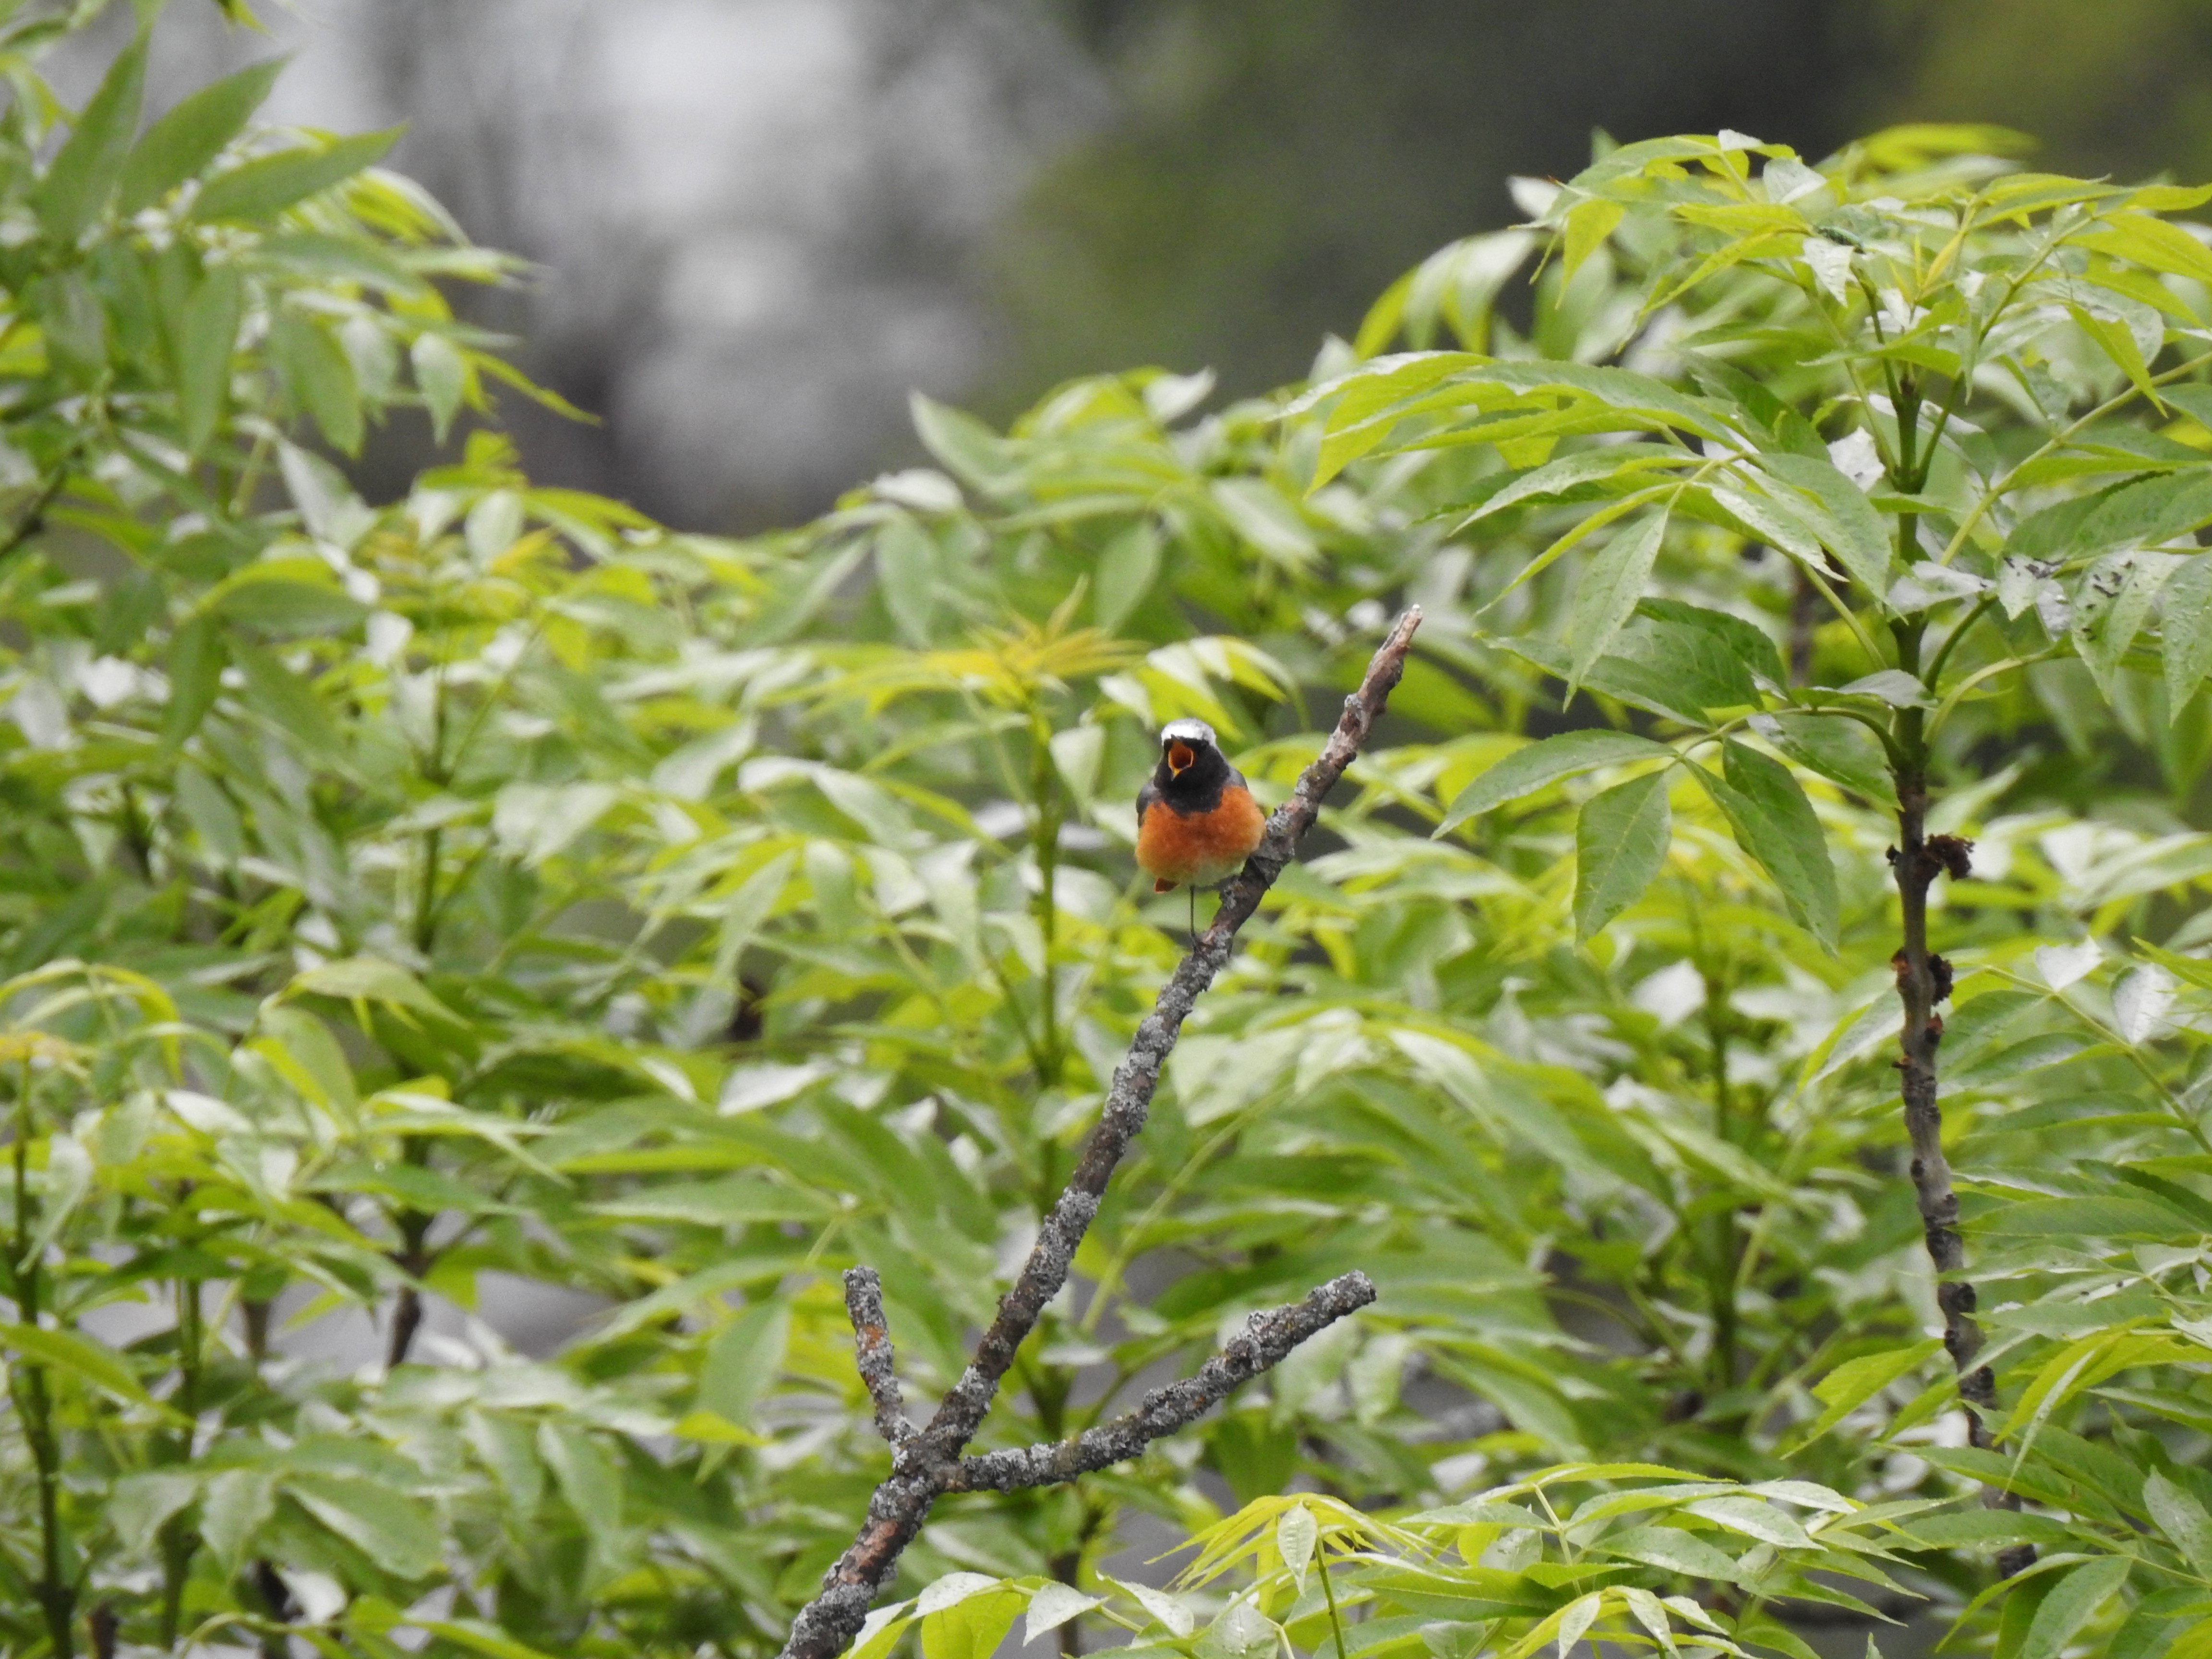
x=1180, y=759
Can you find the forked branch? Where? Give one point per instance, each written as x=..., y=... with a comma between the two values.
x=932, y=1461
x=1268, y=1339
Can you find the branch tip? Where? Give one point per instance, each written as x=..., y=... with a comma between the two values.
x=873, y=1355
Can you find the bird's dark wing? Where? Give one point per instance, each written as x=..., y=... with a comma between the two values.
x=1145, y=798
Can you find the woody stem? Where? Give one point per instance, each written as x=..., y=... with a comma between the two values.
x=1916, y=868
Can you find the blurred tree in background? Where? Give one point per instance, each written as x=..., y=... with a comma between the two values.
x=1271, y=166
x=2124, y=87
x=758, y=226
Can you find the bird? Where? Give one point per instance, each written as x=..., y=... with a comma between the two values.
x=1196, y=820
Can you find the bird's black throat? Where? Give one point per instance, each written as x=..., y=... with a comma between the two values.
x=1198, y=787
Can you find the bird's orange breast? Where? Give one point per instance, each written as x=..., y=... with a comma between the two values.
x=1199, y=848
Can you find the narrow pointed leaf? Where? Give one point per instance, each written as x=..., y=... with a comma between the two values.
x=1527, y=771
x=1620, y=842
x=1774, y=824
x=1606, y=596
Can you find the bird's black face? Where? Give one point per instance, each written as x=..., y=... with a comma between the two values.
x=1185, y=746
x=1191, y=764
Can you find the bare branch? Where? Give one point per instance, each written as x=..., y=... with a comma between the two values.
x=1267, y=1339
x=873, y=1355
x=926, y=1465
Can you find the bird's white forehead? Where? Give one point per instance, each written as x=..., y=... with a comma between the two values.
x=1187, y=730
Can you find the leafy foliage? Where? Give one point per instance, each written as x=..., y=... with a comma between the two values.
x=401, y=901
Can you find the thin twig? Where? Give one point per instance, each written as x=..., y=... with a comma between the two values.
x=872, y=1354
x=33, y=518
x=1267, y=1338
x=923, y=1468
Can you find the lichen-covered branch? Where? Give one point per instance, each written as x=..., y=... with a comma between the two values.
x=1267, y=1338
x=872, y=1354
x=922, y=1468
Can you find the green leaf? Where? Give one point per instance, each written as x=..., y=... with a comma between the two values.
x=138, y=1504
x=1055, y=1603
x=1365, y=404
x=2100, y=641
x=269, y=184
x=1716, y=657
x=1373, y=400
x=234, y=1507
x=82, y=177
x=507, y=1447
x=973, y=1626
x=744, y=1361
x=2086, y=1218
x=1588, y=223
x=477, y=1638
x=966, y=448
x=1855, y=1382
x=906, y=568
x=1296, y=1534
x=2146, y=512
x=1527, y=771
x=210, y=333
x=1751, y=1518
x=195, y=665
x=314, y=1060
x=2148, y=241
x=1774, y=824
x=1679, y=661
x=2185, y=614
x=193, y=134
x=739, y=1200
x=318, y=376
x=370, y=979
x=1608, y=591
x=880, y=1632
x=1127, y=570
x=1840, y=749
x=389, y=1527
x=1614, y=466
x=76, y=324
x=2183, y=1520
x=442, y=376
x=1620, y=842
x=2114, y=338
x=586, y=1477
x=1762, y=1630
x=296, y=597
x=89, y=1362
x=1840, y=515
x=1675, y=1550
x=1993, y=1529
x=282, y=698
x=2072, y=1603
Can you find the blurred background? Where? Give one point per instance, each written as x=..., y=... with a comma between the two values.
x=758, y=224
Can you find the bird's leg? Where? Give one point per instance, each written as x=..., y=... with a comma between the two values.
x=1193, y=891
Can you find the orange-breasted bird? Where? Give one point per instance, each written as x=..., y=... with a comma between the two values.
x=1196, y=821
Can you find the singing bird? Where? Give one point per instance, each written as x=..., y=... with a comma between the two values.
x=1196, y=821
